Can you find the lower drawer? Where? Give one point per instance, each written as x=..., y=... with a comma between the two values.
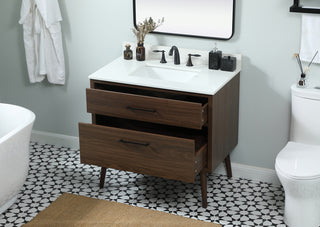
x=142, y=152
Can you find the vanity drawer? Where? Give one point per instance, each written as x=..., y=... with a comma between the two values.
x=147, y=108
x=142, y=152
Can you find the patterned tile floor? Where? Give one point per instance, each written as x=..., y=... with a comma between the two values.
x=231, y=202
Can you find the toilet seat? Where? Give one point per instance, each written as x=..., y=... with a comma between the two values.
x=299, y=161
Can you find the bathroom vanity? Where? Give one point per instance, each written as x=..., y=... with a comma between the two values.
x=147, y=122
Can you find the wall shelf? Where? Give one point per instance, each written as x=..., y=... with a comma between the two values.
x=296, y=8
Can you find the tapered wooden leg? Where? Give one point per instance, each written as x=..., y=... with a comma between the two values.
x=203, y=178
x=102, y=176
x=228, y=166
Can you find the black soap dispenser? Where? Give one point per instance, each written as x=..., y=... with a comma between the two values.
x=215, y=58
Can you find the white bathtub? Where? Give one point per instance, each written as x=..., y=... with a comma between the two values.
x=15, y=131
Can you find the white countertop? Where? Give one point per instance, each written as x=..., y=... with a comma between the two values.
x=205, y=81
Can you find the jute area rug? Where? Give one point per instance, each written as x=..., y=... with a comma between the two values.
x=77, y=211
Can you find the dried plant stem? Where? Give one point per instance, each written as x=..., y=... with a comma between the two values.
x=145, y=27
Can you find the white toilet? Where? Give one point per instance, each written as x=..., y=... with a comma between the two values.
x=298, y=163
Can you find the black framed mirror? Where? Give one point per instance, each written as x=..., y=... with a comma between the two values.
x=202, y=18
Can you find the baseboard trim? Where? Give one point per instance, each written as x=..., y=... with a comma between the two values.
x=238, y=170
x=59, y=140
x=250, y=172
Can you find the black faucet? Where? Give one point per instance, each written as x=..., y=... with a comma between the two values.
x=176, y=55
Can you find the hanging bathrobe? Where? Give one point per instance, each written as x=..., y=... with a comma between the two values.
x=42, y=40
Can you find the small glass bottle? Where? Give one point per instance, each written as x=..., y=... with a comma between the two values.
x=302, y=81
x=127, y=53
x=140, y=52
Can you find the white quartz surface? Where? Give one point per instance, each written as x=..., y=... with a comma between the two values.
x=203, y=81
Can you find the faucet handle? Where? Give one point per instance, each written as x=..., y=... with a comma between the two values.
x=189, y=63
x=163, y=59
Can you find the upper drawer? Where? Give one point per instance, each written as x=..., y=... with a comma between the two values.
x=147, y=108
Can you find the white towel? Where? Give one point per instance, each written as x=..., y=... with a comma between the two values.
x=43, y=40
x=310, y=37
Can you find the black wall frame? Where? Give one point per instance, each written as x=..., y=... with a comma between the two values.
x=188, y=35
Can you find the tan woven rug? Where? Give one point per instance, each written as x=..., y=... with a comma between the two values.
x=74, y=210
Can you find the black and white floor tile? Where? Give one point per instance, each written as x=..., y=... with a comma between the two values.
x=231, y=202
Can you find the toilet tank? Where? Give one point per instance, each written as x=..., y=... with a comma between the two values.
x=305, y=118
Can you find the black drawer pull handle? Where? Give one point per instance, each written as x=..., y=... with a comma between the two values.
x=135, y=143
x=140, y=109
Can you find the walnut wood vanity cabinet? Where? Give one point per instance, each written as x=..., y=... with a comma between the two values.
x=163, y=133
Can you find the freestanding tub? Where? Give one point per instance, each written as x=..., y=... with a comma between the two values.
x=15, y=130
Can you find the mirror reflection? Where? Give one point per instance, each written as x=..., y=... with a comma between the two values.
x=201, y=18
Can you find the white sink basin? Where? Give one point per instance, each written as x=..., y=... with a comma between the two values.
x=167, y=74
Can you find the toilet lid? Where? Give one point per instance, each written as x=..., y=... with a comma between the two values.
x=299, y=161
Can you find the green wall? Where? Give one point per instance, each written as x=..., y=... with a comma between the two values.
x=266, y=34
